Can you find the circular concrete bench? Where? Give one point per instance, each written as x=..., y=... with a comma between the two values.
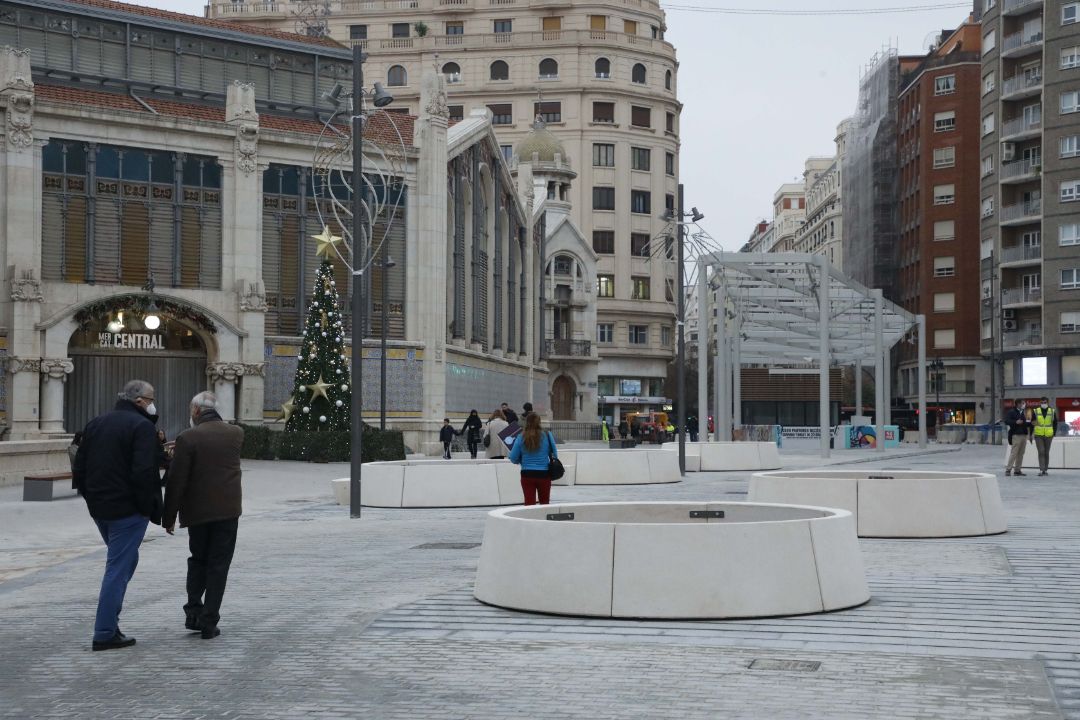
x=729, y=456
x=671, y=560
x=619, y=467
x=436, y=483
x=894, y=503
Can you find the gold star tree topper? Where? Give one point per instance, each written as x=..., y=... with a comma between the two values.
x=287, y=410
x=326, y=242
x=318, y=388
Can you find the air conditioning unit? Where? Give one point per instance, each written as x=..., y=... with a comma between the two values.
x=1008, y=314
x=1008, y=151
x=1009, y=325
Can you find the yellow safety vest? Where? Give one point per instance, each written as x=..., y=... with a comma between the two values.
x=1044, y=422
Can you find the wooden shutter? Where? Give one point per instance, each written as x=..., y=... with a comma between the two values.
x=75, y=221
x=134, y=243
x=52, y=235
x=107, y=234
x=210, y=274
x=190, y=245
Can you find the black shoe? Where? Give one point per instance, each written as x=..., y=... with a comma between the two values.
x=1041, y=473
x=191, y=621
x=209, y=633
x=1008, y=473
x=1017, y=472
x=118, y=640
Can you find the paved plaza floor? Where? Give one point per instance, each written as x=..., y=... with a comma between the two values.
x=327, y=617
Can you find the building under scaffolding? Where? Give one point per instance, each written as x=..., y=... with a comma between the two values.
x=871, y=208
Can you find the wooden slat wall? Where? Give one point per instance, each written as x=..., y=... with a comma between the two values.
x=758, y=384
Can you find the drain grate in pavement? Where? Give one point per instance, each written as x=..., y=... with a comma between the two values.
x=785, y=665
x=447, y=546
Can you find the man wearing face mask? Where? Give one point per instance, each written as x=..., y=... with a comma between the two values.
x=1019, y=428
x=204, y=488
x=1044, y=419
x=116, y=472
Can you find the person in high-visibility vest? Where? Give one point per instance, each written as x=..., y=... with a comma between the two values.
x=1044, y=418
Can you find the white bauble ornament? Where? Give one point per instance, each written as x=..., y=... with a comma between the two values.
x=339, y=403
x=344, y=388
x=303, y=388
x=339, y=371
x=333, y=283
x=324, y=333
x=322, y=418
x=306, y=409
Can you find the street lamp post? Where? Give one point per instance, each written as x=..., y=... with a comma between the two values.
x=385, y=264
x=937, y=366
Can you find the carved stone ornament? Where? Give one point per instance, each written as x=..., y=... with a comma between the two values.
x=437, y=106
x=255, y=369
x=240, y=102
x=19, y=364
x=247, y=147
x=253, y=298
x=57, y=368
x=17, y=91
x=20, y=119
x=226, y=371
x=26, y=289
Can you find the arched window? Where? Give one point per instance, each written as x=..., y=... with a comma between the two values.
x=396, y=76
x=452, y=71
x=638, y=74
x=603, y=68
x=549, y=69
x=563, y=265
x=500, y=70
x=667, y=80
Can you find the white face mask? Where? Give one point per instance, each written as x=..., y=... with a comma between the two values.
x=1044, y=406
x=151, y=409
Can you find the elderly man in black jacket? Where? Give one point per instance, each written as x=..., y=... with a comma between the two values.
x=116, y=472
x=204, y=489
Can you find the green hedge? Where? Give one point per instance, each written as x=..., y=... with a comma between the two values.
x=262, y=443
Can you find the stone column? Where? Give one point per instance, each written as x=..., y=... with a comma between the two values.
x=20, y=242
x=54, y=372
x=223, y=378
x=426, y=311
x=242, y=191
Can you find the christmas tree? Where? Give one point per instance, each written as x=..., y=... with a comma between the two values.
x=321, y=390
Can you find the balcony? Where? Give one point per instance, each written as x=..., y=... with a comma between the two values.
x=568, y=348
x=1021, y=86
x=440, y=6
x=1020, y=171
x=1016, y=340
x=1013, y=297
x=950, y=387
x=1019, y=7
x=1021, y=255
x=1021, y=128
x=1021, y=213
x=1019, y=44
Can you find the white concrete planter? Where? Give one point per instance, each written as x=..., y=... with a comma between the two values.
x=729, y=456
x=894, y=503
x=1064, y=454
x=619, y=467
x=436, y=483
x=653, y=560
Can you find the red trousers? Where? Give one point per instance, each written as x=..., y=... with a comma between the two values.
x=536, y=489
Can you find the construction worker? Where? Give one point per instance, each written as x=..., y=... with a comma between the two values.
x=1044, y=419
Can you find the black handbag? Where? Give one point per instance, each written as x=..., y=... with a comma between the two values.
x=555, y=466
x=487, y=440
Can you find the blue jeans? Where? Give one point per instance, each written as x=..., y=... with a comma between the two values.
x=123, y=538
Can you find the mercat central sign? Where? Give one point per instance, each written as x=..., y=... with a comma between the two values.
x=131, y=341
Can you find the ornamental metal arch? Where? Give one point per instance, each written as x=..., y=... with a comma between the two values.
x=796, y=310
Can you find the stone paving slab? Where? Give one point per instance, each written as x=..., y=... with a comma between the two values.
x=327, y=617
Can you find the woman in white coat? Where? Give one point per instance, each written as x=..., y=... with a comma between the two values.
x=496, y=448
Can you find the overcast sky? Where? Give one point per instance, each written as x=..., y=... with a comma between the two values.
x=763, y=92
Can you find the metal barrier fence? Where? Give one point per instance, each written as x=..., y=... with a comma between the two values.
x=576, y=431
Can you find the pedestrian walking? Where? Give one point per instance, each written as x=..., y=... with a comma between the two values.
x=472, y=430
x=533, y=452
x=1044, y=421
x=495, y=447
x=116, y=472
x=526, y=409
x=624, y=429
x=204, y=489
x=508, y=413
x=1019, y=427
x=605, y=432
x=446, y=436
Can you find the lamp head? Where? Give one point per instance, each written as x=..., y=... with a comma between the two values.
x=152, y=318
x=381, y=97
x=334, y=95
x=668, y=216
x=389, y=262
x=697, y=216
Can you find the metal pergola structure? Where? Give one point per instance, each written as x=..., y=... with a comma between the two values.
x=796, y=310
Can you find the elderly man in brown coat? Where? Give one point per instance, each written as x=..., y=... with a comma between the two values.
x=204, y=487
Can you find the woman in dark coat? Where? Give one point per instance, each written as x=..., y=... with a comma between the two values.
x=473, y=429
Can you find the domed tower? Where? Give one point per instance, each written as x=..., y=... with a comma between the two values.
x=540, y=163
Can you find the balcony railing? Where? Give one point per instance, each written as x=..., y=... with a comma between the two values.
x=290, y=8
x=1020, y=296
x=1020, y=170
x=1021, y=41
x=1020, y=126
x=520, y=40
x=568, y=348
x=1016, y=7
x=1021, y=339
x=1021, y=211
x=950, y=387
x=1019, y=84
x=1020, y=253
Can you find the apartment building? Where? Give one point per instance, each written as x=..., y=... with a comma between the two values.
x=1030, y=199
x=789, y=214
x=940, y=205
x=604, y=80
x=822, y=233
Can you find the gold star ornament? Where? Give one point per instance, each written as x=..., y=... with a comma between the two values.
x=287, y=410
x=326, y=241
x=318, y=388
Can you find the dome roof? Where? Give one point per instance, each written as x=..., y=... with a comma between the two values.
x=542, y=142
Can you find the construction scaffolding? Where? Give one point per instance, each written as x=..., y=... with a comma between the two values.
x=871, y=176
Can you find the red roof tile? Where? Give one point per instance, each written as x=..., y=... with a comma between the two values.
x=206, y=22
